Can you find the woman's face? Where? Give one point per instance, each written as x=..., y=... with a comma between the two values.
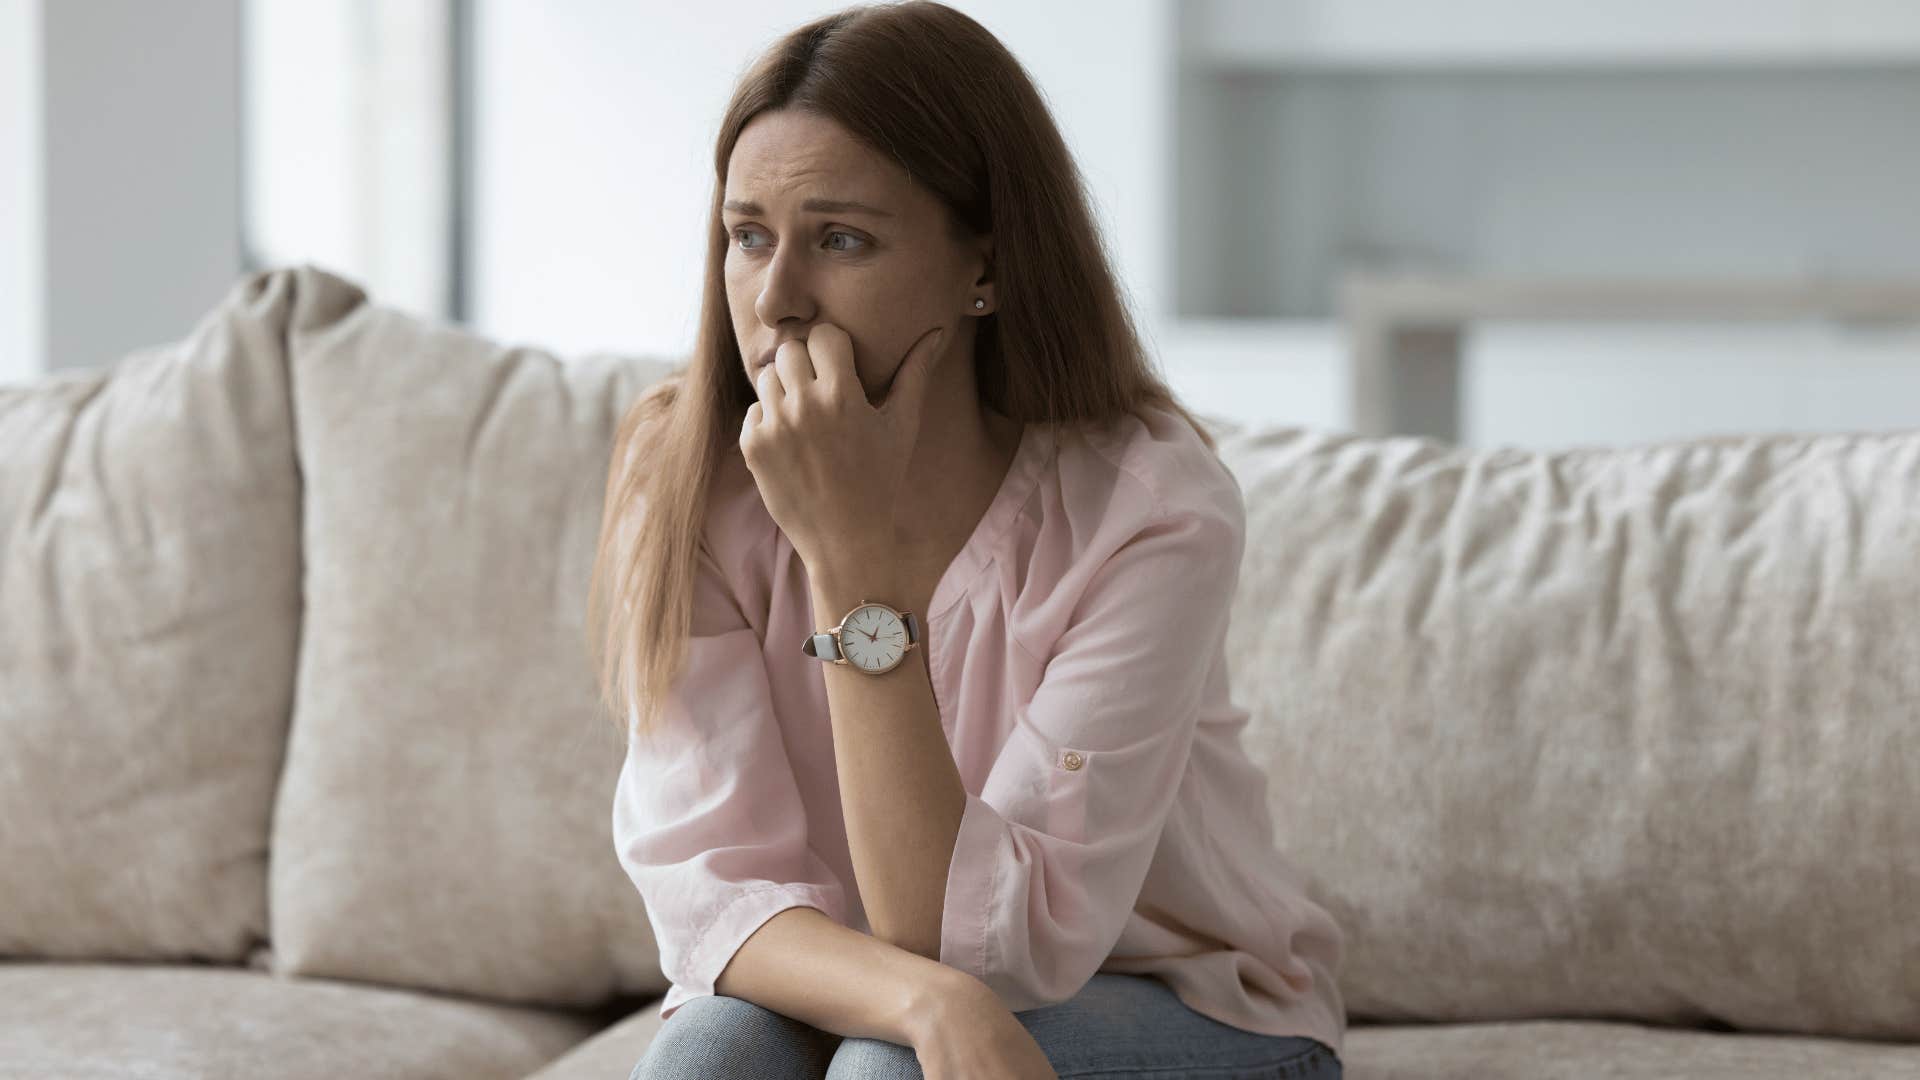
x=823, y=230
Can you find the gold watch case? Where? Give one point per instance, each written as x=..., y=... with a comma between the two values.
x=839, y=637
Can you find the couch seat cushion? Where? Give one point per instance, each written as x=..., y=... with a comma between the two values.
x=1581, y=1050
x=157, y=1021
x=611, y=1053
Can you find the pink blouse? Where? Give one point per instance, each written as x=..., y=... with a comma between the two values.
x=1076, y=648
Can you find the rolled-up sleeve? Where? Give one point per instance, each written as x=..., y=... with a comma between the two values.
x=1051, y=855
x=707, y=816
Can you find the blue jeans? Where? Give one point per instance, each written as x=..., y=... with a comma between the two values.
x=1130, y=1026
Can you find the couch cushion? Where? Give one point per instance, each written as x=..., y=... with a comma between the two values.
x=149, y=521
x=158, y=1022
x=1621, y=732
x=612, y=1053
x=1581, y=1050
x=443, y=820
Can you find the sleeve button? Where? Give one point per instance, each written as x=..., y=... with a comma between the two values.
x=1072, y=760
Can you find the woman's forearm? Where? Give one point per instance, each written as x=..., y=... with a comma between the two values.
x=801, y=964
x=901, y=796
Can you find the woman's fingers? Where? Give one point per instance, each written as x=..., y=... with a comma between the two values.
x=795, y=367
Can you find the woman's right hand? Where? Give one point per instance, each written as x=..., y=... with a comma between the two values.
x=965, y=1033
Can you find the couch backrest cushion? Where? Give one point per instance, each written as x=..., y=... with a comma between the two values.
x=443, y=819
x=149, y=619
x=1621, y=732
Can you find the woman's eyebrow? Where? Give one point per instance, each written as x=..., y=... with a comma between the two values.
x=824, y=206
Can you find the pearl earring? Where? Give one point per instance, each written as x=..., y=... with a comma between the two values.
x=978, y=303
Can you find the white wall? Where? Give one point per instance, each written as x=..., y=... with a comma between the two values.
x=142, y=171
x=22, y=328
x=299, y=75
x=595, y=131
x=119, y=176
x=595, y=124
x=348, y=143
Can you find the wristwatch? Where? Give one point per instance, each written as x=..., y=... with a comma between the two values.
x=873, y=639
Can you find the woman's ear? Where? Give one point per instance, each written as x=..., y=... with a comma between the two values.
x=986, y=258
x=982, y=288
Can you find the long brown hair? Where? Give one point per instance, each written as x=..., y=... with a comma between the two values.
x=944, y=98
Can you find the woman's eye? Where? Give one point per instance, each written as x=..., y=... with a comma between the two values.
x=848, y=235
x=742, y=233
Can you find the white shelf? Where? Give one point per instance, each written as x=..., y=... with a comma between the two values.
x=1279, y=34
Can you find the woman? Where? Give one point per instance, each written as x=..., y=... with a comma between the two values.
x=932, y=766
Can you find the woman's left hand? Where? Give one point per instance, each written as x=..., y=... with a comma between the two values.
x=965, y=1033
x=830, y=467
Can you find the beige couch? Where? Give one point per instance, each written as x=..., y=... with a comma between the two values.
x=1608, y=761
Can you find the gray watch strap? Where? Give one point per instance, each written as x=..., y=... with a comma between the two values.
x=827, y=647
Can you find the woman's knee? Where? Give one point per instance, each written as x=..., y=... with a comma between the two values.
x=874, y=1059
x=717, y=1035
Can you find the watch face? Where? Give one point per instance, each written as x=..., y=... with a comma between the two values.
x=873, y=638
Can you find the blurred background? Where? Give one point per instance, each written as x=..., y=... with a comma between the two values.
x=1502, y=222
